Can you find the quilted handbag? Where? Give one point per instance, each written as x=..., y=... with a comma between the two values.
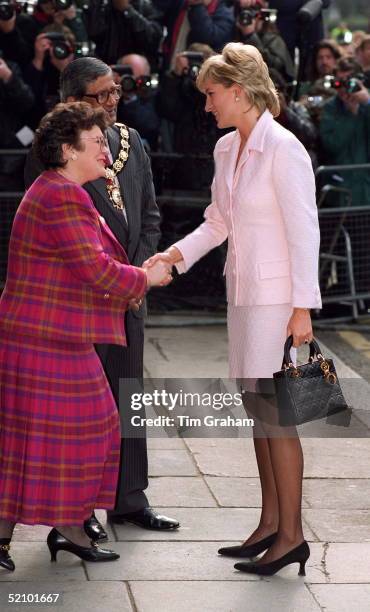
x=307, y=392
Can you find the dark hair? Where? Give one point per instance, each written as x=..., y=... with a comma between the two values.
x=63, y=125
x=326, y=43
x=347, y=64
x=78, y=74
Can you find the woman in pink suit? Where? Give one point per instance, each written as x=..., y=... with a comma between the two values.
x=68, y=282
x=263, y=202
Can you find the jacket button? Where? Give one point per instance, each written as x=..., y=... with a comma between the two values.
x=106, y=296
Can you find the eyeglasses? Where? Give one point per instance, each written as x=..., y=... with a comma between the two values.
x=103, y=96
x=99, y=140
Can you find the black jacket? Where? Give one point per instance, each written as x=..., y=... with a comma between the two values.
x=117, y=33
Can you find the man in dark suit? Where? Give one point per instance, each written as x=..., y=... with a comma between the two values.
x=127, y=203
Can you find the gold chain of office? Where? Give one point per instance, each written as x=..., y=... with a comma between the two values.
x=111, y=172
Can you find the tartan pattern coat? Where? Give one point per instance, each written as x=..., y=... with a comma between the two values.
x=68, y=277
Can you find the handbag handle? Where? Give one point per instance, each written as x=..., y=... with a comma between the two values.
x=314, y=351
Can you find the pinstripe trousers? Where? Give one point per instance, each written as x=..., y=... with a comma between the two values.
x=121, y=362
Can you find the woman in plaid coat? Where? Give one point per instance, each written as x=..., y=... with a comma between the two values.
x=68, y=282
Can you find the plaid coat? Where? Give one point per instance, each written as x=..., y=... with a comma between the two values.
x=68, y=277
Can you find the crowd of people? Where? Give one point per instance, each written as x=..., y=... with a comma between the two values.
x=156, y=48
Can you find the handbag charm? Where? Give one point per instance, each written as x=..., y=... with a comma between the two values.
x=307, y=392
x=111, y=172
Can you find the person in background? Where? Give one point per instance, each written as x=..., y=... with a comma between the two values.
x=127, y=202
x=209, y=22
x=120, y=27
x=363, y=56
x=137, y=107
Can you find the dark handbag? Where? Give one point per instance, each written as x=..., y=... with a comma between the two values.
x=307, y=392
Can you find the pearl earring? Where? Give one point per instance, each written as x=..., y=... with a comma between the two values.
x=74, y=156
x=237, y=98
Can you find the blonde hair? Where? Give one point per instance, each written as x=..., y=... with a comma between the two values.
x=242, y=65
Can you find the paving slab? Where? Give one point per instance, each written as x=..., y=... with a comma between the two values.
x=74, y=596
x=198, y=524
x=32, y=560
x=201, y=524
x=287, y=595
x=221, y=461
x=166, y=443
x=235, y=492
x=348, y=563
x=339, y=525
x=184, y=561
x=171, y=463
x=332, y=458
x=342, y=597
x=179, y=491
x=337, y=493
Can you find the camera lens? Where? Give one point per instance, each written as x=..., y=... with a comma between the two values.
x=6, y=11
x=61, y=50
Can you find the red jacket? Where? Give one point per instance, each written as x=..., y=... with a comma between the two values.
x=68, y=277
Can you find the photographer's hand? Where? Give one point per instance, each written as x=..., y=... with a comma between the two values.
x=42, y=45
x=5, y=72
x=362, y=96
x=121, y=5
x=8, y=25
x=181, y=65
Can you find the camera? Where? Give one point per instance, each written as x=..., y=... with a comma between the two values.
x=141, y=85
x=350, y=84
x=8, y=8
x=268, y=15
x=246, y=16
x=195, y=60
x=62, y=47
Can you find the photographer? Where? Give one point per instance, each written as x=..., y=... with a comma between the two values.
x=13, y=44
x=137, y=106
x=49, y=13
x=363, y=55
x=255, y=25
x=345, y=128
x=16, y=100
x=209, y=22
x=54, y=50
x=194, y=131
x=120, y=27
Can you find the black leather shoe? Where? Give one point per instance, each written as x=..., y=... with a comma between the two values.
x=146, y=518
x=248, y=550
x=5, y=559
x=299, y=554
x=56, y=541
x=95, y=530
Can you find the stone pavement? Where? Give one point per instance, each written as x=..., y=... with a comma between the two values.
x=211, y=486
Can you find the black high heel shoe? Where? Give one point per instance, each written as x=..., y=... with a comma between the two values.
x=5, y=559
x=299, y=554
x=248, y=550
x=56, y=541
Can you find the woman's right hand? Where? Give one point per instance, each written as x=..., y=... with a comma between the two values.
x=170, y=257
x=158, y=273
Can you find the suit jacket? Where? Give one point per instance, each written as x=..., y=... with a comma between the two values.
x=68, y=277
x=140, y=236
x=267, y=210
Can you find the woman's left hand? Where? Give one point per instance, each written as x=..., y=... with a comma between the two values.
x=300, y=326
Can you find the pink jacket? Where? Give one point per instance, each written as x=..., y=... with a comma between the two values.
x=267, y=210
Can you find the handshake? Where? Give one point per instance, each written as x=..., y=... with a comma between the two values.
x=158, y=271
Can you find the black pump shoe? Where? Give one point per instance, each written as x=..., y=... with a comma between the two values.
x=248, y=550
x=56, y=541
x=299, y=554
x=5, y=559
x=94, y=529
